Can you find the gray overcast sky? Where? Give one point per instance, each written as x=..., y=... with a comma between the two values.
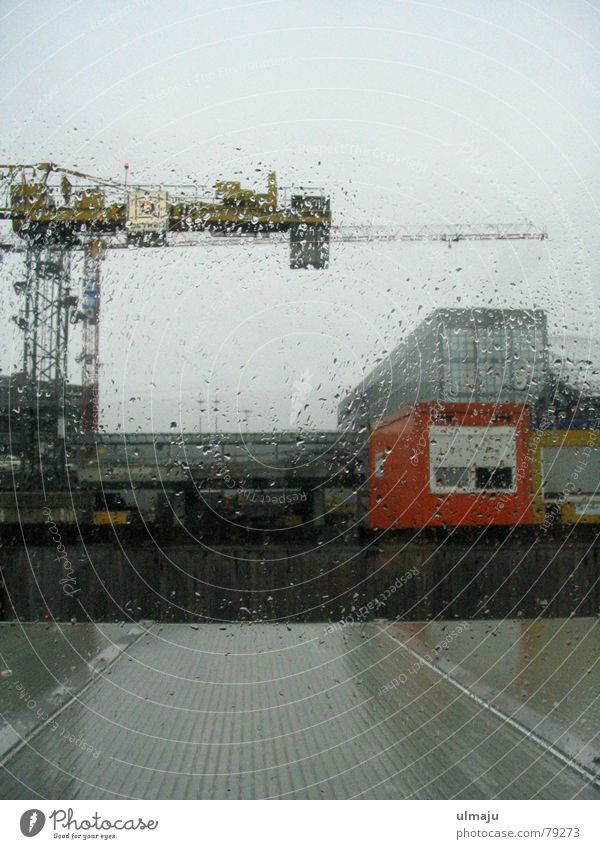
x=404, y=111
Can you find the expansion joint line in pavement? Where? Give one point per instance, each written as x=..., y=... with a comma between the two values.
x=26, y=740
x=590, y=776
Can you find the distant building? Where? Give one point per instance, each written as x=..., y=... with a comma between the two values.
x=456, y=355
x=564, y=405
x=45, y=411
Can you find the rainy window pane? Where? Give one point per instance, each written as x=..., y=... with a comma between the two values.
x=452, y=477
x=493, y=478
x=299, y=408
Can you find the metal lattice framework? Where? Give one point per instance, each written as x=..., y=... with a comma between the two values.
x=442, y=233
x=44, y=320
x=89, y=314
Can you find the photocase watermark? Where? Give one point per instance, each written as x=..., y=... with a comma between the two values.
x=68, y=581
x=568, y=491
x=533, y=455
x=44, y=717
x=584, y=273
x=474, y=157
x=371, y=154
x=523, y=468
x=428, y=657
x=18, y=127
x=436, y=410
x=379, y=601
x=32, y=822
x=192, y=82
x=66, y=820
x=122, y=12
x=261, y=497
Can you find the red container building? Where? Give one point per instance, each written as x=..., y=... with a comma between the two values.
x=438, y=465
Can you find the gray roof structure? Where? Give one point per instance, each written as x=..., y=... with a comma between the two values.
x=456, y=355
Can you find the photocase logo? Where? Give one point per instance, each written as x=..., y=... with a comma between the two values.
x=32, y=822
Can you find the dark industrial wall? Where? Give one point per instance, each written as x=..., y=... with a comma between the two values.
x=331, y=582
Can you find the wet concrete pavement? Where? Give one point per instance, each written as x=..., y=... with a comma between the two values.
x=281, y=711
x=544, y=673
x=43, y=665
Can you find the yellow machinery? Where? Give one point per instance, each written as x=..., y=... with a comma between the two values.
x=110, y=509
x=111, y=517
x=230, y=193
x=565, y=476
x=43, y=204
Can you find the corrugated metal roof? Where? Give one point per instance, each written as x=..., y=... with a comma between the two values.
x=293, y=711
x=49, y=663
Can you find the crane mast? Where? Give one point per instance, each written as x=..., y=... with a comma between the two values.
x=48, y=306
x=55, y=211
x=89, y=315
